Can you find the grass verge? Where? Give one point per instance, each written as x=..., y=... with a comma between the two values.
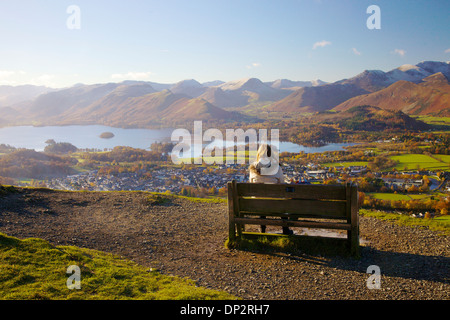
x=290, y=244
x=439, y=224
x=165, y=198
x=33, y=269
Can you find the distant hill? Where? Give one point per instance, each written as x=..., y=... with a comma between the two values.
x=36, y=165
x=10, y=95
x=369, y=118
x=374, y=80
x=139, y=106
x=242, y=92
x=190, y=87
x=54, y=104
x=313, y=99
x=431, y=96
x=329, y=96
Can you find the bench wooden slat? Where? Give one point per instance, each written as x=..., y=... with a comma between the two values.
x=261, y=190
x=331, y=209
x=269, y=204
x=290, y=223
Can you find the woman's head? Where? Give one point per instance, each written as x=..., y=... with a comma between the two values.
x=266, y=151
x=266, y=160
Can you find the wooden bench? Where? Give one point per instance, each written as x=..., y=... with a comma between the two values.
x=294, y=205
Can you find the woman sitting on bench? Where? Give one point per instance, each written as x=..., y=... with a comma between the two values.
x=266, y=169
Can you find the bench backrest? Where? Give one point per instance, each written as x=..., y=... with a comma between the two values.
x=318, y=201
x=294, y=201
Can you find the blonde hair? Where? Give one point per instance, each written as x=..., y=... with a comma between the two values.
x=267, y=160
x=265, y=150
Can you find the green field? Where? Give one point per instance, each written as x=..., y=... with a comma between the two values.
x=444, y=219
x=394, y=196
x=443, y=157
x=345, y=164
x=434, y=120
x=238, y=156
x=416, y=161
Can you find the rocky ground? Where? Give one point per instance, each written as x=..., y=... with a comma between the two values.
x=186, y=239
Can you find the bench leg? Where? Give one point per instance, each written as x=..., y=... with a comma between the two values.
x=232, y=232
x=263, y=227
x=286, y=230
x=353, y=239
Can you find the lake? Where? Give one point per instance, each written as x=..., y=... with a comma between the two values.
x=89, y=137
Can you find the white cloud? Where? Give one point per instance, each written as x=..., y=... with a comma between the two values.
x=6, y=73
x=132, y=76
x=5, y=78
x=44, y=80
x=254, y=65
x=20, y=77
x=447, y=51
x=400, y=52
x=322, y=43
x=356, y=52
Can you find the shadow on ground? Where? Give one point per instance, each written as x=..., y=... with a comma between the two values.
x=334, y=253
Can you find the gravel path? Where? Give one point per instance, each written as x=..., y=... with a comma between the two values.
x=186, y=239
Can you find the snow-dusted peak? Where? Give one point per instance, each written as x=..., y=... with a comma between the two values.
x=243, y=84
x=286, y=83
x=435, y=67
x=407, y=67
x=317, y=82
x=366, y=73
x=189, y=87
x=214, y=83
x=133, y=90
x=189, y=83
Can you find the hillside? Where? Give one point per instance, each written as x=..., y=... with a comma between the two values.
x=54, y=104
x=135, y=105
x=191, y=88
x=185, y=238
x=329, y=96
x=313, y=99
x=37, y=165
x=10, y=95
x=369, y=118
x=431, y=96
x=239, y=93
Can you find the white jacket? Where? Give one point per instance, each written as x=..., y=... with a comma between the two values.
x=256, y=176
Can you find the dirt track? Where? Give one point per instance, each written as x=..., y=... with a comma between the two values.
x=186, y=239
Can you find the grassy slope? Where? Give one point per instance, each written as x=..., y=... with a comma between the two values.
x=412, y=161
x=34, y=269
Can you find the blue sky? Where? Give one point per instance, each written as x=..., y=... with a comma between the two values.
x=172, y=40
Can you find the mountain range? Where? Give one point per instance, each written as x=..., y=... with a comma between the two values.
x=329, y=96
x=431, y=96
x=413, y=89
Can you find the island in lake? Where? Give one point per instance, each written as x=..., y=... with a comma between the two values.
x=107, y=135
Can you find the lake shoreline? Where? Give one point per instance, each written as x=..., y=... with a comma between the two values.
x=88, y=137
